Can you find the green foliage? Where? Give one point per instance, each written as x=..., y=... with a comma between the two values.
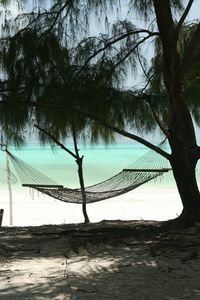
x=191, y=81
x=52, y=65
x=145, y=8
x=13, y=121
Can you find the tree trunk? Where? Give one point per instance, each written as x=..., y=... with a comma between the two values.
x=9, y=187
x=181, y=133
x=81, y=180
x=1, y=216
x=79, y=161
x=184, y=157
x=185, y=178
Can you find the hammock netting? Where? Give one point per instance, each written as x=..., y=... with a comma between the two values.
x=150, y=166
x=4, y=176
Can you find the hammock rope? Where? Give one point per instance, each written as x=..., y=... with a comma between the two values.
x=4, y=176
x=150, y=166
x=27, y=174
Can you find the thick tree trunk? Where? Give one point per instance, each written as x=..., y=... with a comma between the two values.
x=181, y=133
x=185, y=178
x=184, y=157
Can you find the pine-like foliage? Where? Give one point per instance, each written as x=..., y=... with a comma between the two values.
x=51, y=65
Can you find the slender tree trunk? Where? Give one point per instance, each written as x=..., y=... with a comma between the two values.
x=79, y=161
x=9, y=188
x=83, y=193
x=1, y=216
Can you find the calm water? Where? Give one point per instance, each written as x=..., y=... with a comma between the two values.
x=150, y=201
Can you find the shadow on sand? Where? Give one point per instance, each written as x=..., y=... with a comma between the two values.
x=107, y=260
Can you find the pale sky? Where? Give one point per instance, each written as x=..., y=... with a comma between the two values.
x=96, y=28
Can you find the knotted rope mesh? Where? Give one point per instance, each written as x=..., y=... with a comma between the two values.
x=4, y=176
x=148, y=167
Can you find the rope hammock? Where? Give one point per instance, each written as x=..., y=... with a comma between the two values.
x=150, y=166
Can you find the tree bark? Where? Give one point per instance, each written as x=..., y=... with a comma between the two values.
x=82, y=185
x=184, y=158
x=185, y=177
x=79, y=161
x=9, y=187
x=1, y=216
x=182, y=140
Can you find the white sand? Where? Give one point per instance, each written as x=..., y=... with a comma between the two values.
x=147, y=203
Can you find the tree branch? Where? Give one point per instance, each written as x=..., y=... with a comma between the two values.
x=121, y=37
x=126, y=134
x=101, y=122
x=135, y=47
x=55, y=140
x=188, y=55
x=75, y=141
x=183, y=17
x=154, y=113
x=57, y=16
x=157, y=119
x=115, y=129
x=168, y=37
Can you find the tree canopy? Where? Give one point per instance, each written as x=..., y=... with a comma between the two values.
x=48, y=57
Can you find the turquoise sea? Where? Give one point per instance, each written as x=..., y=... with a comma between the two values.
x=100, y=162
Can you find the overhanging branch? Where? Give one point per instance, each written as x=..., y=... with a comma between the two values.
x=101, y=122
x=188, y=55
x=183, y=17
x=114, y=41
x=55, y=140
x=133, y=49
x=126, y=134
x=157, y=119
x=154, y=113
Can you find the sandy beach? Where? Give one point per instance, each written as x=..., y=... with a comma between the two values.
x=117, y=259
x=149, y=202
x=107, y=260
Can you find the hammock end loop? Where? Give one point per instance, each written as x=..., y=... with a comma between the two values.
x=3, y=147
